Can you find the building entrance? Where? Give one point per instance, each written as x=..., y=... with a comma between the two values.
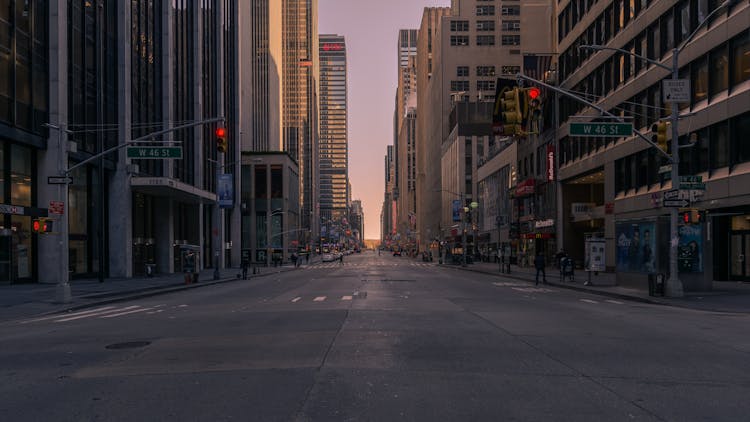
x=739, y=255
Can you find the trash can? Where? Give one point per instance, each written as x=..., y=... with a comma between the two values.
x=656, y=284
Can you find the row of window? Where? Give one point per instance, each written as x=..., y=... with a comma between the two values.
x=484, y=40
x=618, y=14
x=717, y=146
x=483, y=85
x=504, y=10
x=722, y=69
x=463, y=71
x=463, y=26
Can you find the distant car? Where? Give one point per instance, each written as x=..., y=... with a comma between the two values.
x=327, y=257
x=397, y=253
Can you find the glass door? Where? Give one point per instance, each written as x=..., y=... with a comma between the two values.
x=739, y=255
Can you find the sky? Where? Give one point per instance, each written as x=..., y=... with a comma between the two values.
x=371, y=31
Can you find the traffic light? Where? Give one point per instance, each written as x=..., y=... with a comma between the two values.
x=691, y=216
x=511, y=112
x=659, y=135
x=221, y=139
x=532, y=104
x=41, y=225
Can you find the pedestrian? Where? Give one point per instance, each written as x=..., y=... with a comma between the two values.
x=539, y=265
x=341, y=259
x=558, y=258
x=294, y=260
x=245, y=265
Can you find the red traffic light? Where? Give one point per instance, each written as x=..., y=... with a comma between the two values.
x=686, y=217
x=36, y=226
x=221, y=132
x=534, y=93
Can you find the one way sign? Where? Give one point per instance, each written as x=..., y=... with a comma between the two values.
x=679, y=203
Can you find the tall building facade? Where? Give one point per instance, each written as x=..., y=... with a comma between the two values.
x=301, y=67
x=333, y=144
x=104, y=74
x=472, y=44
x=614, y=186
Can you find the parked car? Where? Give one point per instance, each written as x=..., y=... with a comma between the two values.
x=327, y=257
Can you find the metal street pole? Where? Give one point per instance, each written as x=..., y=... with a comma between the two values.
x=463, y=231
x=217, y=217
x=673, y=287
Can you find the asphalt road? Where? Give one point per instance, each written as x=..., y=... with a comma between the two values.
x=379, y=338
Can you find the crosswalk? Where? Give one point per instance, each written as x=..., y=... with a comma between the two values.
x=318, y=299
x=320, y=265
x=103, y=312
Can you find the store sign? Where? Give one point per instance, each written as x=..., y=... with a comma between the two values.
x=333, y=47
x=537, y=236
x=544, y=223
x=550, y=162
x=581, y=209
x=526, y=187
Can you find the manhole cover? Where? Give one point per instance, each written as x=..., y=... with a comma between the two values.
x=127, y=345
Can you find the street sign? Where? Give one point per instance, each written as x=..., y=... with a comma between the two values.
x=59, y=180
x=609, y=130
x=691, y=179
x=679, y=203
x=676, y=90
x=693, y=186
x=154, y=153
x=56, y=207
x=11, y=209
x=671, y=194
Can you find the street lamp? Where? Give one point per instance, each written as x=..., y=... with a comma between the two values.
x=673, y=286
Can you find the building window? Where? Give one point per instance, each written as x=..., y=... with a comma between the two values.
x=485, y=85
x=485, y=70
x=462, y=71
x=459, y=40
x=719, y=145
x=511, y=10
x=485, y=25
x=485, y=10
x=511, y=25
x=511, y=40
x=700, y=80
x=719, y=74
x=740, y=57
x=740, y=130
x=459, y=26
x=510, y=70
x=457, y=86
x=485, y=40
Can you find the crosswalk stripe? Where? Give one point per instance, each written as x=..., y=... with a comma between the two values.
x=346, y=297
x=296, y=299
x=588, y=301
x=68, y=315
x=126, y=313
x=96, y=314
x=319, y=299
x=613, y=301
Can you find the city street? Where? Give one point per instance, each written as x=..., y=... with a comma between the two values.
x=377, y=338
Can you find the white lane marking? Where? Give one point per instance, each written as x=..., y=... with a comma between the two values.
x=346, y=297
x=182, y=306
x=296, y=299
x=96, y=314
x=319, y=299
x=613, y=301
x=588, y=301
x=68, y=315
x=155, y=312
x=126, y=313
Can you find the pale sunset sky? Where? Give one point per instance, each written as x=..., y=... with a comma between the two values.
x=371, y=31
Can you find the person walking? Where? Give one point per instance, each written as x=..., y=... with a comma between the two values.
x=341, y=259
x=539, y=265
x=294, y=259
x=245, y=265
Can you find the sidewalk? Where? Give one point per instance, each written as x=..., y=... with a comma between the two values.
x=726, y=297
x=23, y=300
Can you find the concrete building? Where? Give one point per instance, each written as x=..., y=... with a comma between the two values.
x=613, y=186
x=300, y=103
x=357, y=222
x=103, y=74
x=333, y=158
x=473, y=44
x=388, y=223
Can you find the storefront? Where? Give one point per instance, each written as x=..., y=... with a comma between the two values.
x=730, y=235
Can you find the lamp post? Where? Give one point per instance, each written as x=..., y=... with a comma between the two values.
x=673, y=286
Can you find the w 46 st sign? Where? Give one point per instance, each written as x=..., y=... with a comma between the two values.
x=610, y=130
x=154, y=153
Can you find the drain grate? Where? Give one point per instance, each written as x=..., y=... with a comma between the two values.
x=127, y=345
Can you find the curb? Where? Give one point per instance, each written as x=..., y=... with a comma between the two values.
x=154, y=291
x=573, y=287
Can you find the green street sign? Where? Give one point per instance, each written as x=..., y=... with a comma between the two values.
x=692, y=186
x=609, y=130
x=154, y=153
x=691, y=179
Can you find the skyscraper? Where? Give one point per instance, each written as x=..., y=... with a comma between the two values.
x=300, y=101
x=333, y=157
